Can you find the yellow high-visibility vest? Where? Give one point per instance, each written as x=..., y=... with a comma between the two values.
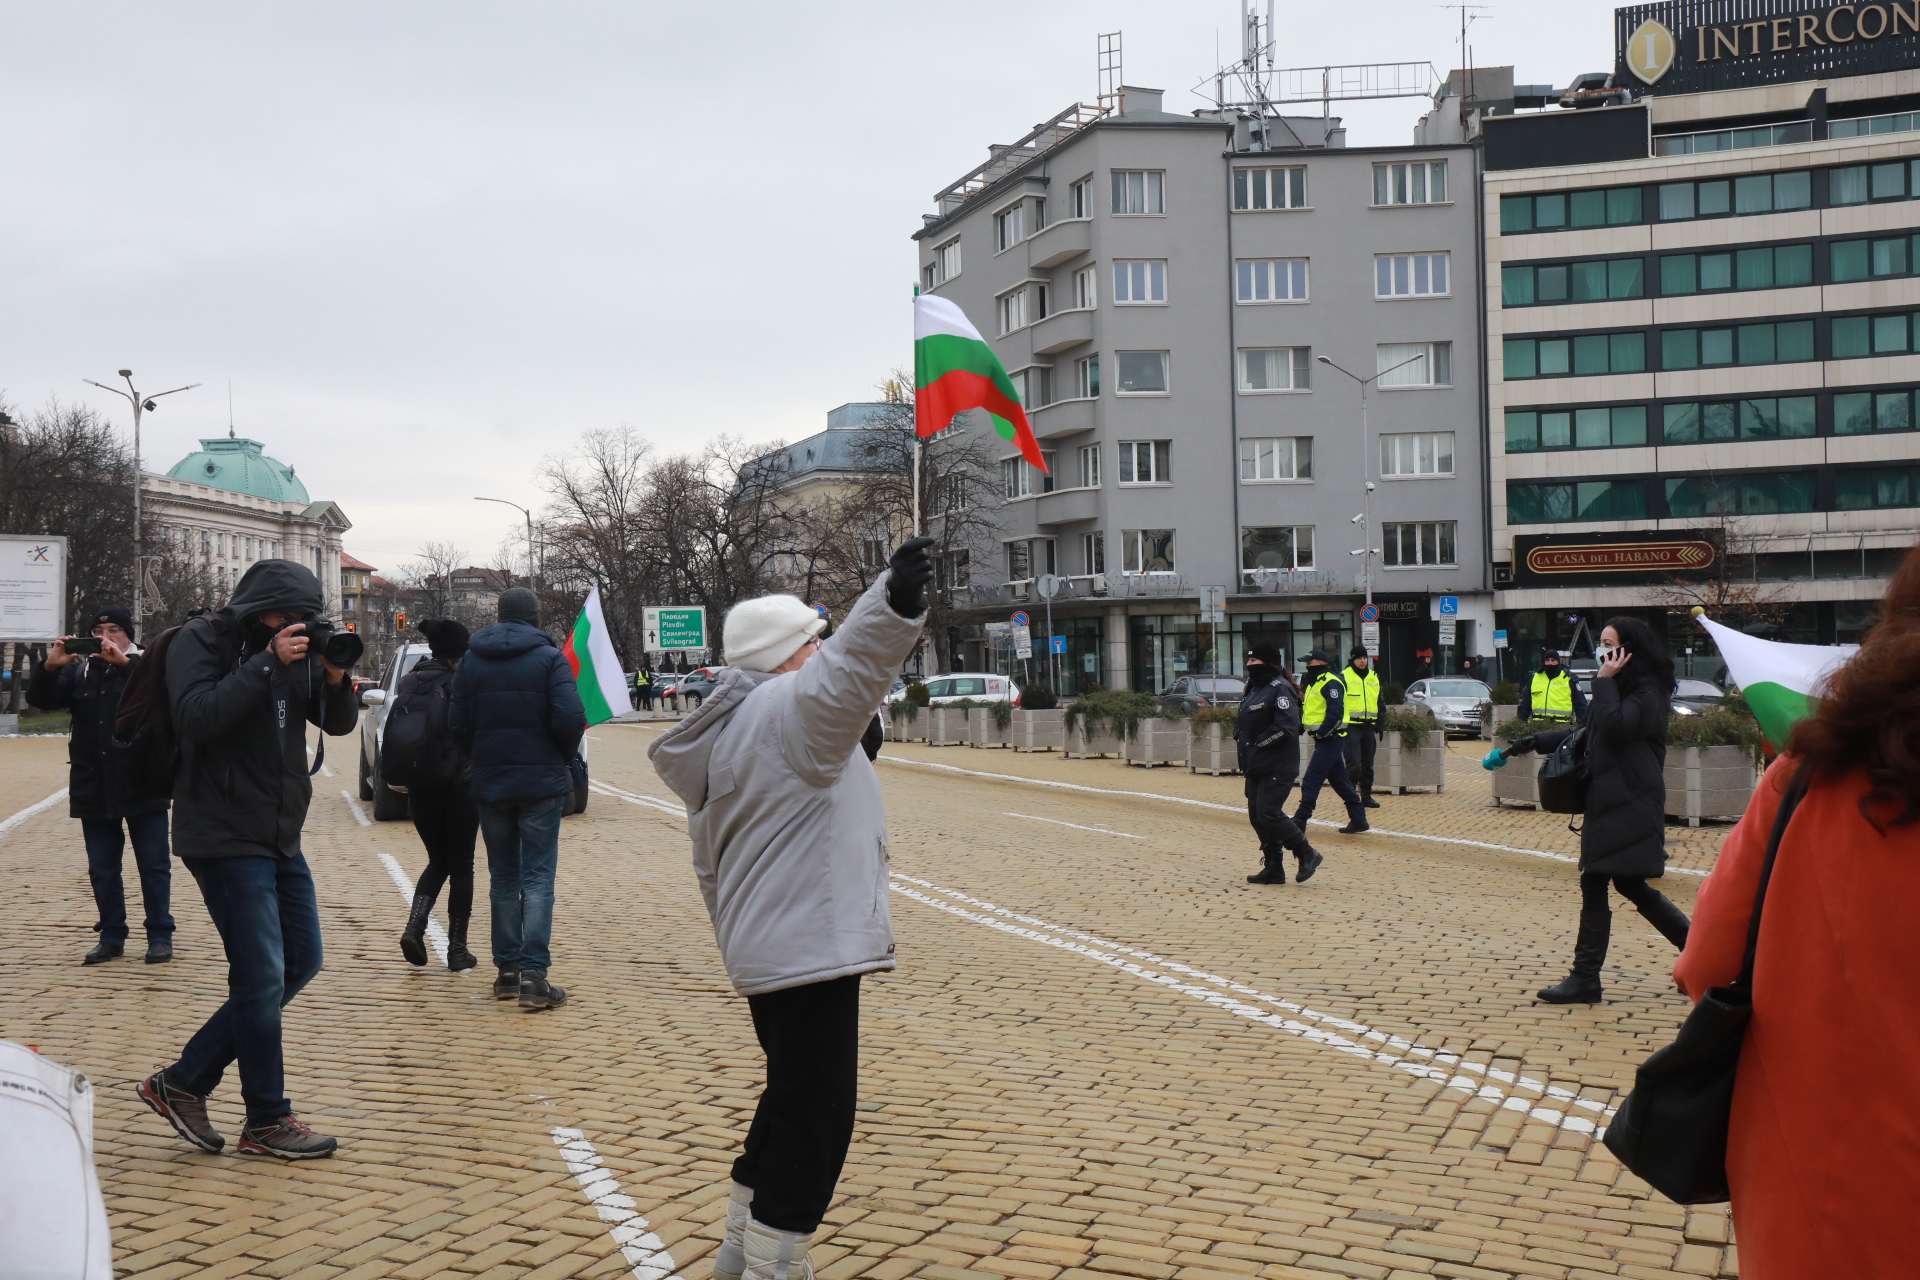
x=1553, y=697
x=1314, y=703
x=1363, y=694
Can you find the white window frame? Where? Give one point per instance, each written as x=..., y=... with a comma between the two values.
x=1086, y=377
x=1146, y=277
x=1158, y=455
x=1152, y=192
x=1089, y=466
x=1294, y=545
x=1039, y=560
x=1423, y=451
x=1086, y=288
x=1402, y=379
x=1298, y=362
x=1012, y=218
x=1276, y=460
x=1396, y=182
x=1024, y=381
x=1080, y=198
x=1166, y=368
x=1093, y=551
x=946, y=260
x=1260, y=190
x=1132, y=546
x=1020, y=479
x=1391, y=543
x=1010, y=310
x=1267, y=281
x=1402, y=275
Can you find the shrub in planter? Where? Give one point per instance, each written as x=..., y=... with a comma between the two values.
x=1225, y=717
x=1506, y=694
x=903, y=712
x=1521, y=728
x=1117, y=710
x=917, y=694
x=1392, y=693
x=1038, y=697
x=1411, y=723
x=1722, y=726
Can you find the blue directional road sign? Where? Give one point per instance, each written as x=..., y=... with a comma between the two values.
x=1449, y=606
x=1059, y=644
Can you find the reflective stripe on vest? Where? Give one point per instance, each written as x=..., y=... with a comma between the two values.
x=1552, y=698
x=1314, y=704
x=1363, y=694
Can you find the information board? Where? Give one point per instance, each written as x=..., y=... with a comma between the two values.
x=33, y=587
x=675, y=627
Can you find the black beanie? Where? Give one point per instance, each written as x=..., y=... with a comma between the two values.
x=118, y=614
x=518, y=604
x=447, y=638
x=1265, y=653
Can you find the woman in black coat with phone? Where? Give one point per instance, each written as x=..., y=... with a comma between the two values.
x=1623, y=835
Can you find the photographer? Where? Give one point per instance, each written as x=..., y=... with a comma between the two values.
x=87, y=677
x=243, y=686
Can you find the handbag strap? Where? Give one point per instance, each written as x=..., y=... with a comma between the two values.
x=1796, y=790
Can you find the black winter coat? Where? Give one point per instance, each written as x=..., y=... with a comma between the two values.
x=1625, y=827
x=422, y=683
x=98, y=785
x=241, y=786
x=1267, y=732
x=516, y=710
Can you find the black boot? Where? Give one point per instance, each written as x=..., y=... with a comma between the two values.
x=1582, y=986
x=459, y=959
x=1366, y=798
x=1310, y=860
x=413, y=943
x=1273, y=869
x=1670, y=920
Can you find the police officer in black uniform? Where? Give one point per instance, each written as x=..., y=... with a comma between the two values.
x=1267, y=735
x=1324, y=715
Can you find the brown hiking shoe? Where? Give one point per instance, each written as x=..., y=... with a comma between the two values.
x=186, y=1112
x=287, y=1139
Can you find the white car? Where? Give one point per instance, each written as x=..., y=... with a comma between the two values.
x=1453, y=700
x=942, y=690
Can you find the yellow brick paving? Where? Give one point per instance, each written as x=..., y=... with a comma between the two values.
x=1027, y=1112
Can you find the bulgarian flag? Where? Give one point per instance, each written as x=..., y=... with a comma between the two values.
x=954, y=370
x=596, y=668
x=1782, y=682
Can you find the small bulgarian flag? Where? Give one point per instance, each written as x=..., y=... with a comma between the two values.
x=1781, y=682
x=954, y=370
x=596, y=667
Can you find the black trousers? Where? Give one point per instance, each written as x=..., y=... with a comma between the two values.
x=1328, y=765
x=447, y=823
x=1362, y=742
x=804, y=1123
x=1658, y=909
x=1267, y=811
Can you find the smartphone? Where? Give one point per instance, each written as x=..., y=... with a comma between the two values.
x=83, y=646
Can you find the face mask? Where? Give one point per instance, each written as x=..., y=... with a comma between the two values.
x=1604, y=656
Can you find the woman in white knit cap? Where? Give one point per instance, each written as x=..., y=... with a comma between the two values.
x=790, y=845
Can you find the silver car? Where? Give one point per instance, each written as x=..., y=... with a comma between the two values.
x=1453, y=700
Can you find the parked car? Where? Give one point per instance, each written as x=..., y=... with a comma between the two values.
x=363, y=683
x=695, y=685
x=942, y=690
x=1691, y=697
x=1454, y=701
x=1190, y=693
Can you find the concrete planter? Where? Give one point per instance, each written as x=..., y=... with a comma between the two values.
x=1515, y=782
x=1396, y=767
x=946, y=726
x=1503, y=715
x=1709, y=782
x=9, y=725
x=1084, y=746
x=1158, y=742
x=1039, y=730
x=1213, y=751
x=913, y=730
x=983, y=731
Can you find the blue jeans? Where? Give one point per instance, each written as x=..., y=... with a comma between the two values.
x=106, y=850
x=269, y=923
x=1329, y=765
x=523, y=852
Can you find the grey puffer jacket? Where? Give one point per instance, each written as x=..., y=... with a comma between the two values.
x=789, y=835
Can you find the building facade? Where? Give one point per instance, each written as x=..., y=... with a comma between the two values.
x=1166, y=291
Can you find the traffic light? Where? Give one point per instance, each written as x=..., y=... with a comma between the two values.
x=400, y=620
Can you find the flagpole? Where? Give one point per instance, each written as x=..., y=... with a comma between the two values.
x=916, y=484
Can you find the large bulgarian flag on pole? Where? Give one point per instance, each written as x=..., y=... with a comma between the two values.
x=596, y=668
x=1781, y=682
x=954, y=370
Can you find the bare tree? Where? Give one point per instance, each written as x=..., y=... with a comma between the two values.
x=1732, y=593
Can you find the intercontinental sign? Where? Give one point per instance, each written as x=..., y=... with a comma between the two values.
x=1690, y=46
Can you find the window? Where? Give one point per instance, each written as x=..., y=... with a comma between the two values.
x=1597, y=281
x=1560, y=210
x=1867, y=259
x=952, y=571
x=1728, y=197
x=1859, y=413
x=1622, y=426
x=1028, y=558
x=1086, y=288
x=1752, y=494
x=1770, y=418
x=1270, y=188
x=1146, y=461
x=1867, y=488
x=1138, y=191
x=1286, y=547
x=927, y=277
x=1417, y=453
x=1855, y=336
x=873, y=554
x=1012, y=310
x=1272, y=280
x=1142, y=373
x=1414, y=364
x=1409, y=275
x=1021, y=479
x=1089, y=466
x=1421, y=182
x=1086, y=377
x=1861, y=183
x=1775, y=343
x=1146, y=551
x=1276, y=368
x=1765, y=135
x=1007, y=227
x=1276, y=458
x=1421, y=542
x=1035, y=385
x=1566, y=502
x=1093, y=551
x=1139, y=282
x=1770, y=267
x=946, y=261
x=1582, y=356
x=1080, y=198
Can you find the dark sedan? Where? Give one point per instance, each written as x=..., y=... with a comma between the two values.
x=1190, y=693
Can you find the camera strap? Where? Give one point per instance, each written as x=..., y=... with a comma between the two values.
x=282, y=696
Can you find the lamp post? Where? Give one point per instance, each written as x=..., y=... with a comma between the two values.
x=529, y=515
x=139, y=403
x=1365, y=518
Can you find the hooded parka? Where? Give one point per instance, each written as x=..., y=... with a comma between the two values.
x=241, y=787
x=783, y=807
x=99, y=785
x=516, y=711
x=1625, y=827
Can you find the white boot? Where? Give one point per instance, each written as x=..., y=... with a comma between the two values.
x=776, y=1255
x=732, y=1258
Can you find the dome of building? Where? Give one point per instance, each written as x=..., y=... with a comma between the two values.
x=238, y=465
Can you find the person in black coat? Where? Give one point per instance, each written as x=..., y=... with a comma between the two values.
x=1266, y=737
x=100, y=791
x=1624, y=834
x=444, y=816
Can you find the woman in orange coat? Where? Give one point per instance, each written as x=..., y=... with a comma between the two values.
x=1824, y=1152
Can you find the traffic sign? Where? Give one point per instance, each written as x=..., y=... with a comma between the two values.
x=1449, y=606
x=675, y=627
x=1446, y=630
x=1499, y=639
x=1048, y=585
x=1213, y=604
x=1059, y=644
x=1020, y=619
x=1022, y=641
x=1369, y=613
x=1370, y=638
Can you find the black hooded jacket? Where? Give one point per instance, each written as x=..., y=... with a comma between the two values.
x=1625, y=829
x=1267, y=731
x=242, y=786
x=99, y=784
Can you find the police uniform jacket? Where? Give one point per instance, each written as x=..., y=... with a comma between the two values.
x=1329, y=686
x=1267, y=733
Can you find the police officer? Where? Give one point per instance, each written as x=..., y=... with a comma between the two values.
x=1324, y=716
x=1267, y=735
x=1363, y=714
x=1553, y=695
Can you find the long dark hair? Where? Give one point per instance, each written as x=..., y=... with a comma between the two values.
x=1652, y=665
x=1869, y=717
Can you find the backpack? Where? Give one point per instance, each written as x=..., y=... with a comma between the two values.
x=144, y=736
x=416, y=749
x=1565, y=775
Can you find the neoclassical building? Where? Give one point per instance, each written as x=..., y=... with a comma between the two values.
x=230, y=504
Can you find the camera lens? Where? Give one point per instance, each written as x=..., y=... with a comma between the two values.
x=343, y=648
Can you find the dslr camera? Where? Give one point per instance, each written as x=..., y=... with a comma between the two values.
x=341, y=648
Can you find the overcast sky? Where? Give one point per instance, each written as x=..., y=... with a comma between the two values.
x=431, y=243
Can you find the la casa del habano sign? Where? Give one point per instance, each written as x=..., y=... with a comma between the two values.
x=1679, y=47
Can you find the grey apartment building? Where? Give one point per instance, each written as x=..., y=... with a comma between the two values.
x=1163, y=289
x=1704, y=326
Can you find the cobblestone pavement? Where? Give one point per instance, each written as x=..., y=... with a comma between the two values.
x=1104, y=1054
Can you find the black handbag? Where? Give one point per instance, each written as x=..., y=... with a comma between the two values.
x=1565, y=775
x=1672, y=1129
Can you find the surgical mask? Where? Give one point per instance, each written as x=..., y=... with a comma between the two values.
x=1604, y=656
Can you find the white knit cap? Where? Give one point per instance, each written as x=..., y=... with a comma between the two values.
x=761, y=634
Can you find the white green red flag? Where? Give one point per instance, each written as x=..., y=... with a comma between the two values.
x=954, y=370
x=596, y=668
x=1781, y=682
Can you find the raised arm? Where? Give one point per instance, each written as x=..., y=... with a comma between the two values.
x=208, y=700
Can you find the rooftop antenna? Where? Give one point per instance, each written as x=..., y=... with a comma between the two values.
x=1112, y=101
x=1468, y=89
x=230, y=434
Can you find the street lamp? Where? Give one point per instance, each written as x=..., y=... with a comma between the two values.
x=140, y=403
x=1365, y=518
x=529, y=515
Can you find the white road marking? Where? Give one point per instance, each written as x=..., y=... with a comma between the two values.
x=38, y=807
x=634, y=797
x=359, y=814
x=436, y=936
x=645, y=1250
x=1228, y=808
x=325, y=771
x=1399, y=1053
x=1034, y=817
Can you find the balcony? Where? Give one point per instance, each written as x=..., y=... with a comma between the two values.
x=1062, y=331
x=1059, y=242
x=1062, y=417
x=1295, y=582
x=1064, y=506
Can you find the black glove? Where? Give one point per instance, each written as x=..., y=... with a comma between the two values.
x=1520, y=746
x=908, y=574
